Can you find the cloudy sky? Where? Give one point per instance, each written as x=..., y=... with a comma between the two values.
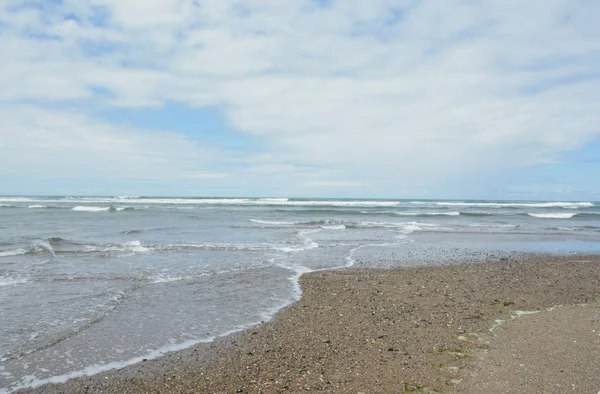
x=346, y=98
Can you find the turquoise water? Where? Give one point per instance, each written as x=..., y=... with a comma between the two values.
x=94, y=283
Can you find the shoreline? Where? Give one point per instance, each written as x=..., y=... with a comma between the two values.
x=338, y=336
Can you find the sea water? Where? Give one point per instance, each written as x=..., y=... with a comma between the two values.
x=89, y=284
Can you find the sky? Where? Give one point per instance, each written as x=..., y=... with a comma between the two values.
x=495, y=99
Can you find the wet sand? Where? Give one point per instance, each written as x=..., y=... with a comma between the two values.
x=404, y=330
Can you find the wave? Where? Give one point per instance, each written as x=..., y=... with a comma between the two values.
x=167, y=278
x=86, y=208
x=272, y=222
x=580, y=228
x=214, y=246
x=130, y=246
x=91, y=209
x=7, y=206
x=36, y=206
x=42, y=246
x=552, y=215
x=205, y=201
x=424, y=214
x=337, y=224
x=479, y=213
x=37, y=246
x=569, y=205
x=334, y=227
x=14, y=252
x=139, y=247
x=128, y=232
x=307, y=243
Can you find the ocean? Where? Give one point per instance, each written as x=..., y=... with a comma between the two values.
x=89, y=284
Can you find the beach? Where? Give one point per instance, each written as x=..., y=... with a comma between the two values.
x=427, y=329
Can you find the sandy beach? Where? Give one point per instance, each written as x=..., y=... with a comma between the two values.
x=440, y=329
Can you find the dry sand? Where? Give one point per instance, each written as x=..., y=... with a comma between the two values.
x=405, y=330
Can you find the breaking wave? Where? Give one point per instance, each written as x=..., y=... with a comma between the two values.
x=275, y=200
x=14, y=252
x=552, y=215
x=334, y=224
x=568, y=205
x=425, y=214
x=91, y=209
x=85, y=208
x=272, y=222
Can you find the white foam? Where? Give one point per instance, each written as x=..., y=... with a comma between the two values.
x=427, y=213
x=37, y=206
x=213, y=246
x=411, y=228
x=166, y=279
x=11, y=281
x=207, y=201
x=552, y=215
x=5, y=206
x=572, y=205
x=131, y=246
x=31, y=381
x=307, y=242
x=334, y=227
x=90, y=209
x=378, y=224
x=41, y=245
x=405, y=226
x=272, y=222
x=17, y=199
x=135, y=246
x=15, y=252
x=291, y=249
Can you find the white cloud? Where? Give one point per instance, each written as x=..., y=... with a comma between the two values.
x=46, y=144
x=362, y=91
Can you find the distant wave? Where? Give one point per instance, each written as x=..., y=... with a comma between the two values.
x=7, y=206
x=479, y=213
x=205, y=201
x=552, y=215
x=273, y=222
x=282, y=201
x=454, y=213
x=91, y=209
x=571, y=205
x=581, y=228
x=85, y=208
x=341, y=224
x=132, y=232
